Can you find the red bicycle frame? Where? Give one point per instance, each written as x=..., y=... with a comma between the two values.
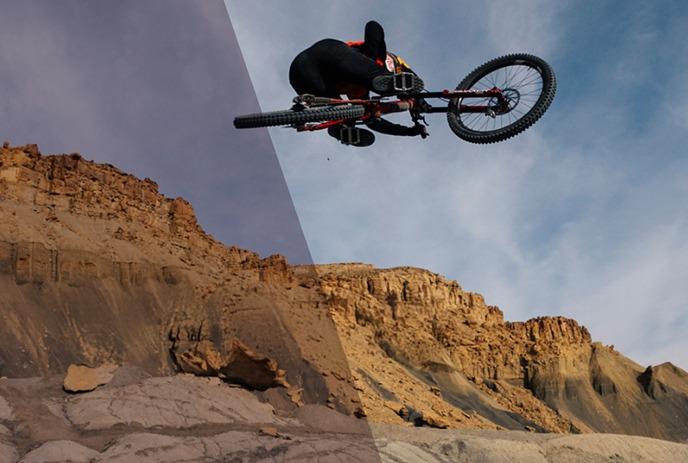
x=375, y=108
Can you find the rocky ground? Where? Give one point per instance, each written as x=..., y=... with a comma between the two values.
x=138, y=418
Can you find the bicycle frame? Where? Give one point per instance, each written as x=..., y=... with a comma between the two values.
x=375, y=107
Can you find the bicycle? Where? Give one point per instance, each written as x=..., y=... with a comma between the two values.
x=496, y=101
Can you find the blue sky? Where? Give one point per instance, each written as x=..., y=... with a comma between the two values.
x=583, y=215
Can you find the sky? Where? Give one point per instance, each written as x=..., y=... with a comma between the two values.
x=583, y=215
x=152, y=87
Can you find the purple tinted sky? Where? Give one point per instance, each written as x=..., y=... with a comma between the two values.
x=151, y=87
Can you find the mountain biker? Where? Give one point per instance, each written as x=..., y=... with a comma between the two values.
x=330, y=68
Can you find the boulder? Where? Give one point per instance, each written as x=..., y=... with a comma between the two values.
x=81, y=378
x=5, y=410
x=8, y=454
x=240, y=365
x=182, y=402
x=60, y=451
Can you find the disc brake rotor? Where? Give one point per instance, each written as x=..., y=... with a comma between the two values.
x=512, y=97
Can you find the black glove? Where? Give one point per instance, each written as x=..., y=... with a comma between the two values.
x=418, y=129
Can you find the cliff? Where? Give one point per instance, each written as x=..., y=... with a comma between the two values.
x=451, y=353
x=97, y=266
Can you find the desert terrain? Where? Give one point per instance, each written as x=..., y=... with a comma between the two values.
x=127, y=333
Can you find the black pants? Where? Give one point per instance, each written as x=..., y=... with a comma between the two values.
x=317, y=69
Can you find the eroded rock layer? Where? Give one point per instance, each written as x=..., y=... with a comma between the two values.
x=96, y=266
x=417, y=341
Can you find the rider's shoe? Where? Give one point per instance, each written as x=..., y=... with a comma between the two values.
x=403, y=82
x=352, y=136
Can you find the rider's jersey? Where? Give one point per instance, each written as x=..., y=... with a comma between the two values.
x=392, y=62
x=374, y=47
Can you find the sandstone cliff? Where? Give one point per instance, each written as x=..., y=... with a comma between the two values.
x=97, y=266
x=418, y=341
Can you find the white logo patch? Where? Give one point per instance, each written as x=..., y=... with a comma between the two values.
x=389, y=63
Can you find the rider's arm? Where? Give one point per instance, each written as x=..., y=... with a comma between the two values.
x=390, y=128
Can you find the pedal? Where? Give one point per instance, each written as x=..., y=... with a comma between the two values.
x=304, y=100
x=403, y=81
x=349, y=135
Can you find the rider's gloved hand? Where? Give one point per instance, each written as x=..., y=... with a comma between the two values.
x=418, y=129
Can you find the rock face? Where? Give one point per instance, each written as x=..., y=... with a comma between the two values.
x=450, y=351
x=96, y=267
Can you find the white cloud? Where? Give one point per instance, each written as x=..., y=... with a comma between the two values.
x=524, y=26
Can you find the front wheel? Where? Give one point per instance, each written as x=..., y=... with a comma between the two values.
x=292, y=117
x=527, y=82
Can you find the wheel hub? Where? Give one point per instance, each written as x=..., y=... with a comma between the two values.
x=512, y=98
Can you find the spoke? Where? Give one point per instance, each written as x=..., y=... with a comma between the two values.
x=470, y=119
x=493, y=78
x=525, y=80
x=530, y=84
x=478, y=119
x=526, y=76
x=520, y=69
x=484, y=123
x=516, y=110
x=536, y=79
x=506, y=75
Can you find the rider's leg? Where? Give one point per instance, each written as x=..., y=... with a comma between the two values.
x=339, y=62
x=305, y=76
x=342, y=63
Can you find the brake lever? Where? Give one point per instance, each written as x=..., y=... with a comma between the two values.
x=416, y=117
x=422, y=106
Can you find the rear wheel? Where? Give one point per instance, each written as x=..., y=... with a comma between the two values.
x=526, y=81
x=291, y=117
